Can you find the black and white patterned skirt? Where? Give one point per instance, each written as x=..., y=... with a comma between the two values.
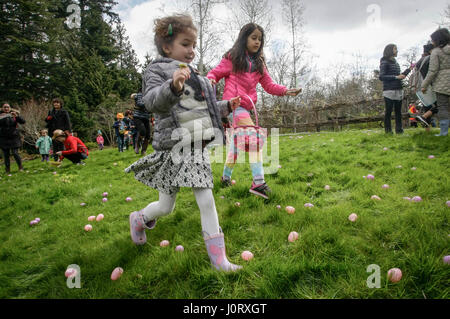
x=166, y=171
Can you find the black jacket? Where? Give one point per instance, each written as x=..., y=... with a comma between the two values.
x=58, y=120
x=9, y=133
x=389, y=69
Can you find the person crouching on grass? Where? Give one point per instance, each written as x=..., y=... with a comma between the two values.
x=75, y=150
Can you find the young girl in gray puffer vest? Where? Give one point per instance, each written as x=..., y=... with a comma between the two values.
x=187, y=118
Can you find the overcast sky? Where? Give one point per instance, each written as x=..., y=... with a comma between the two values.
x=334, y=29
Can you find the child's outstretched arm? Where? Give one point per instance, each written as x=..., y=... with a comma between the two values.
x=161, y=94
x=220, y=71
x=270, y=86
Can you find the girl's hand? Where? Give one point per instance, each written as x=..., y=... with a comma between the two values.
x=424, y=90
x=213, y=82
x=400, y=77
x=293, y=92
x=235, y=102
x=179, y=76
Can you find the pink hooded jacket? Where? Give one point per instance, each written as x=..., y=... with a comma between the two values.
x=241, y=84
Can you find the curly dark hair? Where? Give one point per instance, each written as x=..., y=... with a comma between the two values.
x=57, y=99
x=167, y=28
x=237, y=54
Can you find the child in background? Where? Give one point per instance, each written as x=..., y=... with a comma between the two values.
x=44, y=144
x=182, y=101
x=120, y=128
x=243, y=67
x=100, y=140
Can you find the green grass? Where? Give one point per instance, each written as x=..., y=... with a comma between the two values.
x=329, y=260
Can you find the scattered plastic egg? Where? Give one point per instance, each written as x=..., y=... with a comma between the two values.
x=179, y=248
x=164, y=243
x=117, y=272
x=385, y=186
x=290, y=210
x=446, y=260
x=352, y=217
x=70, y=272
x=91, y=218
x=416, y=199
x=105, y=194
x=394, y=274
x=128, y=199
x=430, y=156
x=309, y=205
x=370, y=176
x=88, y=227
x=293, y=236
x=237, y=204
x=327, y=187
x=375, y=197
x=99, y=217
x=104, y=199
x=247, y=255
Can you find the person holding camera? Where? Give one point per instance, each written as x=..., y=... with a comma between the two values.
x=10, y=140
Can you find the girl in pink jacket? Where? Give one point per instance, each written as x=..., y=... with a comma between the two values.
x=243, y=67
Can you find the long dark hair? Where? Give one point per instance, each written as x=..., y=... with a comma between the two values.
x=238, y=53
x=388, y=53
x=441, y=37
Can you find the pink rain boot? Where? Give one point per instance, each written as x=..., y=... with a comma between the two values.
x=138, y=226
x=215, y=245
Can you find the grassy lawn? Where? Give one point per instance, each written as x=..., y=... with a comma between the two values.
x=329, y=260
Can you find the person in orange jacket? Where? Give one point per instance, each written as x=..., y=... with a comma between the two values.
x=413, y=111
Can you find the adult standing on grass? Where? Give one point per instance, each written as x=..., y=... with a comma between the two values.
x=75, y=150
x=58, y=119
x=439, y=75
x=392, y=87
x=10, y=140
x=141, y=119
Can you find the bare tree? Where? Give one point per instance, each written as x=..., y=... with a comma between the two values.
x=250, y=11
x=34, y=114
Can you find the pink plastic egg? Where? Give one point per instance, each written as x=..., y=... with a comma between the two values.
x=279, y=166
x=278, y=206
x=70, y=272
x=117, y=272
x=37, y=219
x=88, y=227
x=91, y=218
x=413, y=168
x=179, y=248
x=54, y=173
x=233, y=182
x=33, y=222
x=237, y=204
x=394, y=274
x=105, y=194
x=164, y=243
x=83, y=204
x=223, y=197
x=293, y=236
x=364, y=177
x=416, y=199
x=246, y=255
x=370, y=176
x=327, y=187
x=290, y=210
x=430, y=156
x=352, y=217
x=407, y=198
x=128, y=199
x=99, y=217
x=309, y=205
x=385, y=148
x=446, y=260
x=447, y=203
x=104, y=199
x=385, y=186
x=375, y=197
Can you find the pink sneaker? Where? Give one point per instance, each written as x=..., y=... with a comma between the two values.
x=260, y=190
x=138, y=226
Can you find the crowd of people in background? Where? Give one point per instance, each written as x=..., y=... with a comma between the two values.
x=430, y=83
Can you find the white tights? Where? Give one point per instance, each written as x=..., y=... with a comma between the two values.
x=205, y=202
